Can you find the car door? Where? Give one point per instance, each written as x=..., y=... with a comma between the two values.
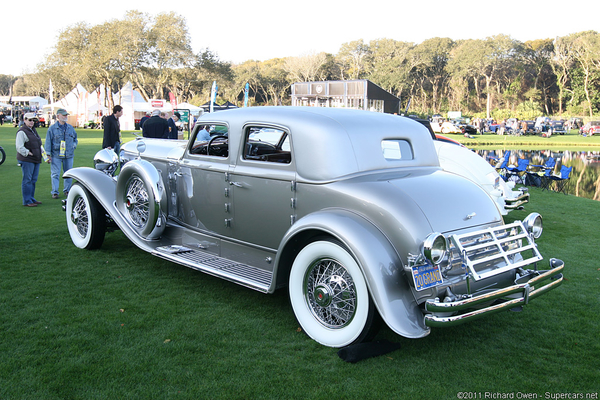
x=263, y=187
x=202, y=191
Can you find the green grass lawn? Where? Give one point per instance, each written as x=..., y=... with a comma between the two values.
x=118, y=323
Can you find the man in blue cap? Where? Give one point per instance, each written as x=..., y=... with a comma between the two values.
x=60, y=145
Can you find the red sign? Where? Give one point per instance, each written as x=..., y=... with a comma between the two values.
x=157, y=103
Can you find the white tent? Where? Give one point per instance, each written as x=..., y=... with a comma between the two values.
x=195, y=110
x=134, y=106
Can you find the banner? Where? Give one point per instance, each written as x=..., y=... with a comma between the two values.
x=173, y=101
x=246, y=90
x=213, y=95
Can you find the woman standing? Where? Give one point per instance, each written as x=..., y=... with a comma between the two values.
x=29, y=154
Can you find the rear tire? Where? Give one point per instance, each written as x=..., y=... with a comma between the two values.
x=86, y=218
x=329, y=295
x=2, y=155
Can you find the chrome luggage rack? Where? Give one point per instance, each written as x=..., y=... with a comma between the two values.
x=484, y=250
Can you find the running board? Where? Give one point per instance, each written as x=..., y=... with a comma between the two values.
x=242, y=274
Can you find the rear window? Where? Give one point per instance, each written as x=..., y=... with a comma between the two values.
x=396, y=149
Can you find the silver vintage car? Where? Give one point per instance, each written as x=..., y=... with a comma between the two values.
x=346, y=209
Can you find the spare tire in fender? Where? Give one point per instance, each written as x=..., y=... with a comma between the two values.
x=141, y=198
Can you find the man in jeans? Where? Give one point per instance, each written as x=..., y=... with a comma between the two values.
x=60, y=145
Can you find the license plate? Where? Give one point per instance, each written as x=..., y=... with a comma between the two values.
x=426, y=276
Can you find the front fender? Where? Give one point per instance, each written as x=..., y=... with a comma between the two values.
x=100, y=185
x=103, y=188
x=377, y=258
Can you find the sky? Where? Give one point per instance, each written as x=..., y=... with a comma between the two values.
x=238, y=31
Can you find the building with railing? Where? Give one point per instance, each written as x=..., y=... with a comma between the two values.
x=357, y=94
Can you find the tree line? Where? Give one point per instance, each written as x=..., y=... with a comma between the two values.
x=496, y=77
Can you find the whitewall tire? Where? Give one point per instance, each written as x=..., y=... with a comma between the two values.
x=86, y=218
x=329, y=295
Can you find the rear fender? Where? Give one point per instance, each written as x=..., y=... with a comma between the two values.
x=377, y=258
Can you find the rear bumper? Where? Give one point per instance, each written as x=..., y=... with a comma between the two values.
x=516, y=202
x=512, y=296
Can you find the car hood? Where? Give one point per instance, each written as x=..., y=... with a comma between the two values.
x=156, y=148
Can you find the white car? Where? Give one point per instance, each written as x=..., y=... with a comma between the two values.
x=461, y=161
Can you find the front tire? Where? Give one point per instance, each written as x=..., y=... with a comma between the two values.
x=329, y=295
x=86, y=218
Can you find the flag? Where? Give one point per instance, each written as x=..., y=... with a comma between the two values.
x=246, y=89
x=213, y=95
x=173, y=101
x=51, y=91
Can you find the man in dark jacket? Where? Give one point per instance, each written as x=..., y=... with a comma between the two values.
x=112, y=130
x=29, y=155
x=156, y=127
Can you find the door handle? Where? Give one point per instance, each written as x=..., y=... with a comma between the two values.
x=236, y=184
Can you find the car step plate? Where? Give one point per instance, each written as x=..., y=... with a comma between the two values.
x=210, y=263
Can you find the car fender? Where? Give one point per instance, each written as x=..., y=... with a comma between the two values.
x=103, y=188
x=377, y=258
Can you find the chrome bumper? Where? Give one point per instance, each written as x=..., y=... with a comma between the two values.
x=524, y=292
x=512, y=204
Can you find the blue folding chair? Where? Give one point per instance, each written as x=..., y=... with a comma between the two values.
x=503, y=168
x=546, y=181
x=537, y=175
x=516, y=174
x=561, y=181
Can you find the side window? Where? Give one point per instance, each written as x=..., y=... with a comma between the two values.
x=214, y=135
x=267, y=144
x=396, y=149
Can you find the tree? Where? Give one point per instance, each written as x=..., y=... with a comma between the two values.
x=388, y=65
x=429, y=60
x=352, y=58
x=537, y=55
x=585, y=47
x=305, y=68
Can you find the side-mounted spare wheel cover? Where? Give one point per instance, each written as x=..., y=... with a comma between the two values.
x=141, y=198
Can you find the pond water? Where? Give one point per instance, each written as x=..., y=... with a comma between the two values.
x=584, y=180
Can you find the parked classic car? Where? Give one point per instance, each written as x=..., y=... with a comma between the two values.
x=459, y=160
x=591, y=128
x=341, y=207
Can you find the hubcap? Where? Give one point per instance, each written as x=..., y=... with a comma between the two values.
x=330, y=293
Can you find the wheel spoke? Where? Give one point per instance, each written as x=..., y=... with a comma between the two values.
x=330, y=293
x=80, y=210
x=137, y=199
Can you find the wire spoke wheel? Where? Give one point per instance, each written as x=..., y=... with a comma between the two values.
x=330, y=293
x=86, y=218
x=79, y=216
x=137, y=201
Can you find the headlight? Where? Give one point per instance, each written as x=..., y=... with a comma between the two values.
x=533, y=224
x=434, y=247
x=106, y=161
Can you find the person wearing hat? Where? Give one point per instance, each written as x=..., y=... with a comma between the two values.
x=156, y=127
x=29, y=155
x=173, y=130
x=60, y=145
